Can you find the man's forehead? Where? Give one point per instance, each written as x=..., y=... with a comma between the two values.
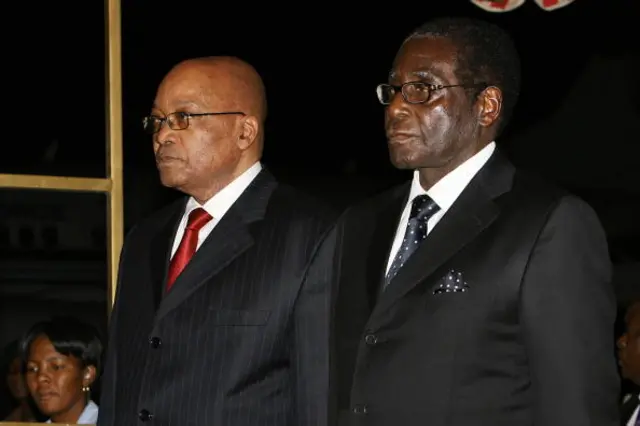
x=179, y=99
x=422, y=72
x=633, y=313
x=187, y=92
x=176, y=103
x=424, y=57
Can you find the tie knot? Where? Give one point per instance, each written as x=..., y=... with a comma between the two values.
x=423, y=207
x=197, y=219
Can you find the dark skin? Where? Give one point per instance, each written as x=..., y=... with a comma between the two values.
x=629, y=346
x=213, y=150
x=18, y=389
x=55, y=381
x=15, y=381
x=437, y=136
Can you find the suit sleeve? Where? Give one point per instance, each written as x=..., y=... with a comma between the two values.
x=568, y=313
x=311, y=338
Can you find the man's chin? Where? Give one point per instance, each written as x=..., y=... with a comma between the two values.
x=402, y=156
x=170, y=180
x=412, y=161
x=402, y=165
x=401, y=162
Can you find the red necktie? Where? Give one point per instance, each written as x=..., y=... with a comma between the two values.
x=187, y=248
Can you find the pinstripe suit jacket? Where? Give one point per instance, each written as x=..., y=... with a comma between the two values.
x=242, y=338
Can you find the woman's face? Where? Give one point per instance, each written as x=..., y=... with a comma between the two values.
x=15, y=380
x=55, y=381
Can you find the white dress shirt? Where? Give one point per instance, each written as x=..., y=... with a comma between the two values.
x=634, y=416
x=89, y=415
x=216, y=206
x=445, y=192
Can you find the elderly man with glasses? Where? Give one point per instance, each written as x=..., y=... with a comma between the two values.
x=474, y=294
x=221, y=315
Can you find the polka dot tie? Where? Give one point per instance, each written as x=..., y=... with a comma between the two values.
x=422, y=208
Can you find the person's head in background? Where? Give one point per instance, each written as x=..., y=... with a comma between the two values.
x=61, y=360
x=628, y=343
x=20, y=408
x=15, y=379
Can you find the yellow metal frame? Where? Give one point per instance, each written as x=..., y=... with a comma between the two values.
x=112, y=185
x=32, y=424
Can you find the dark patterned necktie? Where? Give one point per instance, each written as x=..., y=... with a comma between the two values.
x=422, y=208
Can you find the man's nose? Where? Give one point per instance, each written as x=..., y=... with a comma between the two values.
x=398, y=106
x=164, y=134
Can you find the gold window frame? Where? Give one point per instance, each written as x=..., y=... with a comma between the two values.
x=112, y=185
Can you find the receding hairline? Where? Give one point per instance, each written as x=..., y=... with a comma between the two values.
x=250, y=87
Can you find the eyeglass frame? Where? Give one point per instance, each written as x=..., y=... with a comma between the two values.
x=431, y=87
x=186, y=115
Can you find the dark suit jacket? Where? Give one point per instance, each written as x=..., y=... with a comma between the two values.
x=242, y=337
x=528, y=343
x=628, y=408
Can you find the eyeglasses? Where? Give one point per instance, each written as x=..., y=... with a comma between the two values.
x=176, y=120
x=414, y=92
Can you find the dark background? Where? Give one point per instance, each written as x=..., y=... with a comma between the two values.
x=320, y=63
x=577, y=122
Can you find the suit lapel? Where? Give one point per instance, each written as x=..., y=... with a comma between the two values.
x=229, y=239
x=368, y=233
x=385, y=227
x=471, y=213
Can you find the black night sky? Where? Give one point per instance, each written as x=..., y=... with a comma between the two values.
x=321, y=63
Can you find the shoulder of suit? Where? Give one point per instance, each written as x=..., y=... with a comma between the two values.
x=159, y=217
x=534, y=191
x=372, y=203
x=288, y=200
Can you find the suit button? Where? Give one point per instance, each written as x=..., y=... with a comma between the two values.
x=145, y=415
x=370, y=339
x=155, y=342
x=360, y=409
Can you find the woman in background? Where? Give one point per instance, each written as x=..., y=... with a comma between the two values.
x=61, y=358
x=16, y=385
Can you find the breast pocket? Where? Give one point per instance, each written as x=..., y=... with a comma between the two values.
x=238, y=317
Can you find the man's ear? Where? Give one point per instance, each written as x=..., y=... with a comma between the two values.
x=249, y=132
x=622, y=341
x=490, y=101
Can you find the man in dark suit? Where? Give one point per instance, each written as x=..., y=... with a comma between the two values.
x=474, y=295
x=220, y=316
